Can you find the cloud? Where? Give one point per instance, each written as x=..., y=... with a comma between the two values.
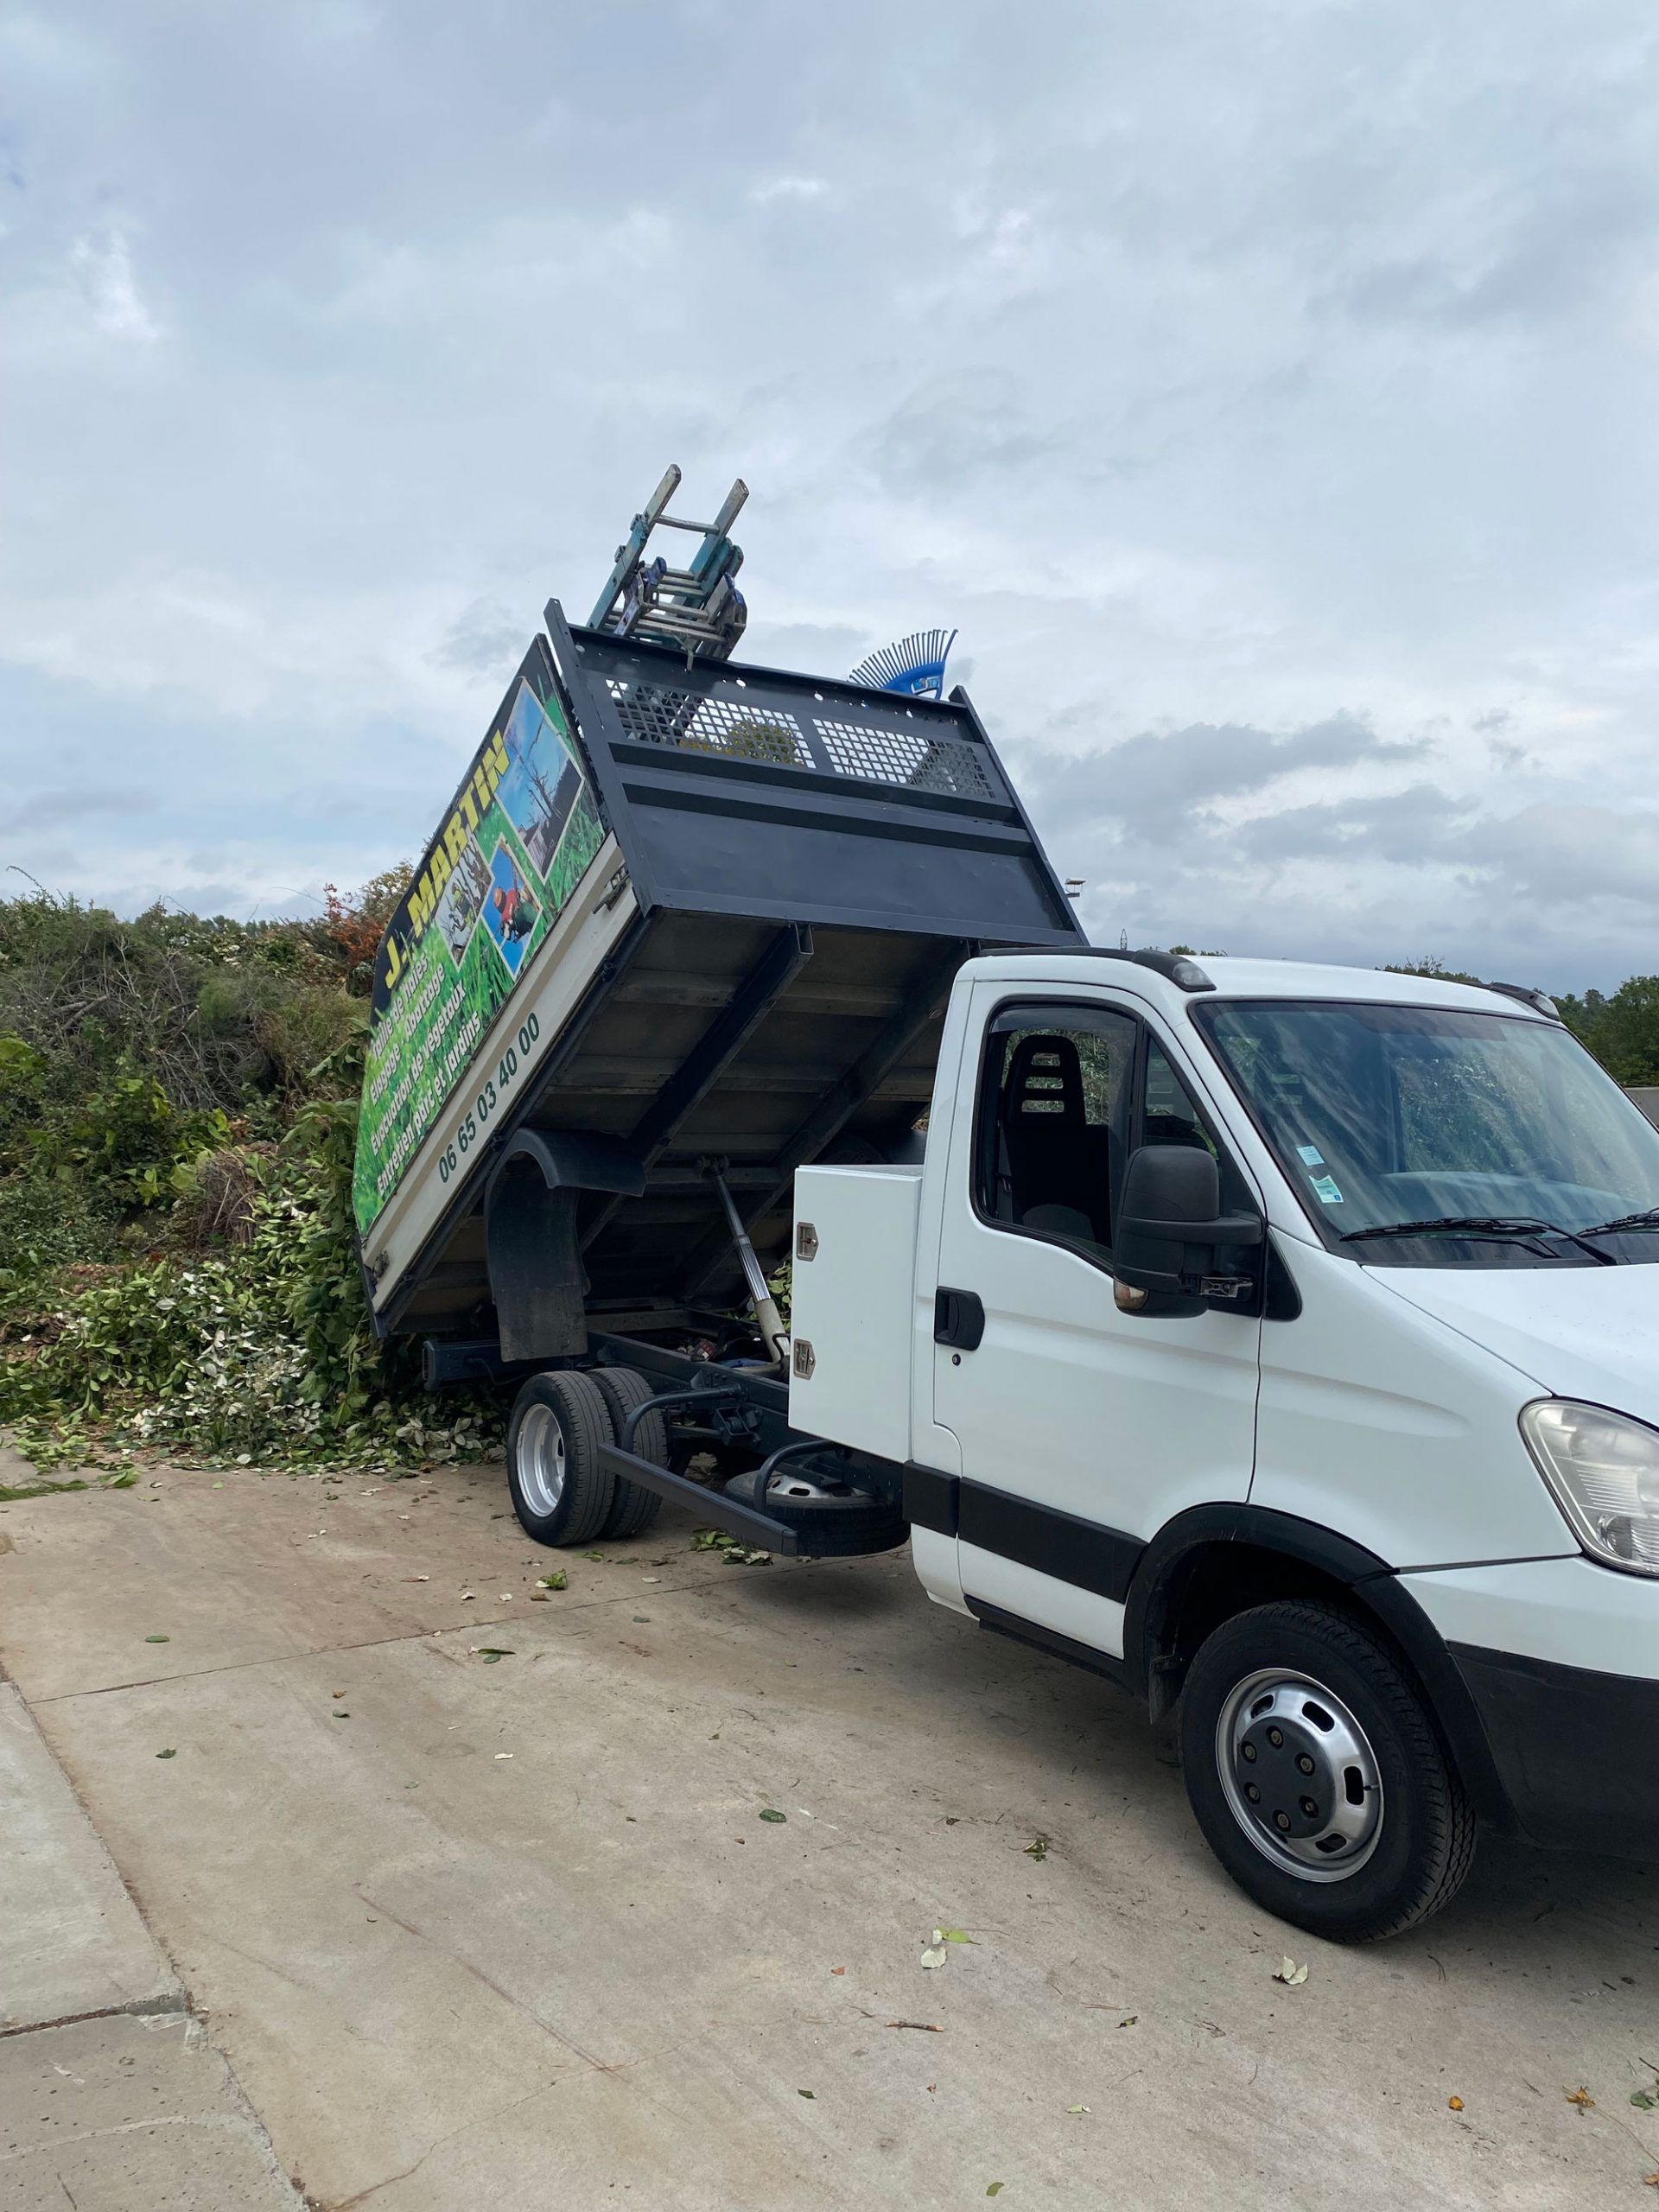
x=1267, y=400
x=486, y=637
x=958, y=431
x=58, y=807
x=770, y=190
x=102, y=267
x=1158, y=783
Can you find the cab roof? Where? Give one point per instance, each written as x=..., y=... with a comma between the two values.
x=1246, y=978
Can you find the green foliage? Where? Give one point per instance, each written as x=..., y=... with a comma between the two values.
x=178, y=1262
x=128, y=1139
x=1622, y=1031
x=1429, y=966
x=45, y=1225
x=263, y=1353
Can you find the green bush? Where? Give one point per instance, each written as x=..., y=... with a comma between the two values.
x=265, y=1353
x=178, y=1109
x=45, y=1225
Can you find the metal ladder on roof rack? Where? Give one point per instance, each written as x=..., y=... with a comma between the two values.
x=698, y=608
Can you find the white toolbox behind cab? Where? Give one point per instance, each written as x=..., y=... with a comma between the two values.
x=852, y=1289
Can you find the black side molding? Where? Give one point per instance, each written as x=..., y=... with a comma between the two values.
x=931, y=1499
x=1063, y=1545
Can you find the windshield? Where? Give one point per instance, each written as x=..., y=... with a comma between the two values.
x=1386, y=1116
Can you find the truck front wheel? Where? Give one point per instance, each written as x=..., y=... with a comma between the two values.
x=559, y=1492
x=1317, y=1776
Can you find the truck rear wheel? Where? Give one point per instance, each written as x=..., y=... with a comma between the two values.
x=634, y=1508
x=559, y=1492
x=1317, y=1776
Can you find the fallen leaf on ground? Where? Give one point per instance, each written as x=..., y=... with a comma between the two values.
x=1645, y=2100
x=504, y=1755
x=837, y=1969
x=342, y=1716
x=768, y=1813
x=806, y=2093
x=1454, y=2104
x=1038, y=1850
x=936, y=1956
x=995, y=2189
x=557, y=1581
x=951, y=1935
x=1290, y=1973
x=158, y=1639
x=1129, y=2019
x=171, y=1753
x=1077, y=2107
x=1581, y=2097
x=491, y=1653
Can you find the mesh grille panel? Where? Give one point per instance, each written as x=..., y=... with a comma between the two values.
x=663, y=714
x=894, y=756
x=659, y=714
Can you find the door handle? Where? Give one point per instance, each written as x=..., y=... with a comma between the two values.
x=959, y=1319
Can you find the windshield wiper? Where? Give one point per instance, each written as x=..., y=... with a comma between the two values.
x=1484, y=1226
x=1647, y=1219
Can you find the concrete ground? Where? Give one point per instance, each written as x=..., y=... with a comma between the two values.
x=516, y=1932
x=112, y=2098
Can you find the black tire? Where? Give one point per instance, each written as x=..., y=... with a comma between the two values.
x=1359, y=1859
x=559, y=1492
x=634, y=1508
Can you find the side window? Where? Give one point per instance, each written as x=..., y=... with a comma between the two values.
x=1056, y=1098
x=1169, y=1117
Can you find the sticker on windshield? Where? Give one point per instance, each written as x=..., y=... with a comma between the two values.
x=1310, y=1155
x=1326, y=1192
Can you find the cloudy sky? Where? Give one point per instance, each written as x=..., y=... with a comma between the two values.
x=1267, y=393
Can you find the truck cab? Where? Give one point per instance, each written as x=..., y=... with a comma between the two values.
x=1277, y=1340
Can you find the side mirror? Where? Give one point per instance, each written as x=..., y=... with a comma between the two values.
x=1169, y=1225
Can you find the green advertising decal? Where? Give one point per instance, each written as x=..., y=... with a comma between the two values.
x=518, y=838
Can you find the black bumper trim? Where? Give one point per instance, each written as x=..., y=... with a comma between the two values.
x=1578, y=1751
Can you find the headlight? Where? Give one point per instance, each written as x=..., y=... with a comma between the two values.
x=1603, y=1470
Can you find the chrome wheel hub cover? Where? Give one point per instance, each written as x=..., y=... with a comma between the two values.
x=1299, y=1775
x=541, y=1460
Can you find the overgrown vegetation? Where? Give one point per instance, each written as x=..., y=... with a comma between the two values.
x=1622, y=1029
x=178, y=1107
x=178, y=1114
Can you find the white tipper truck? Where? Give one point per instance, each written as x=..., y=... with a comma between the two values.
x=1275, y=1340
